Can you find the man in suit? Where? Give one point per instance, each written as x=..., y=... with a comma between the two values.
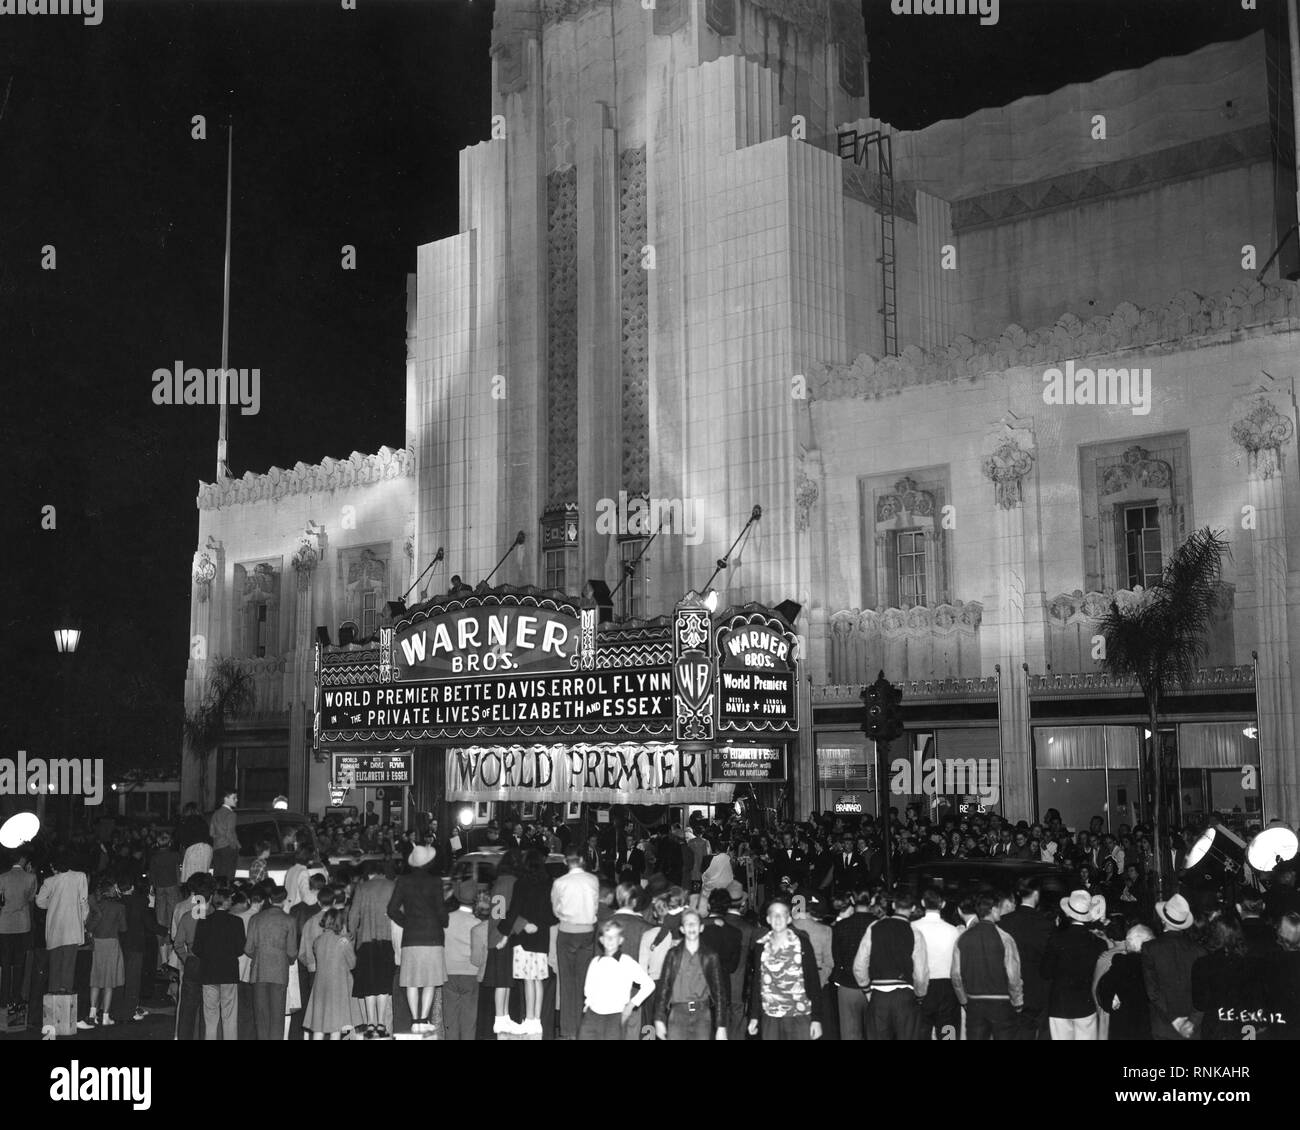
x=848, y=873
x=736, y=919
x=1030, y=929
x=272, y=943
x=789, y=860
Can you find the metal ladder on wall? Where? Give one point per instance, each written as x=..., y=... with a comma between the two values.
x=888, y=311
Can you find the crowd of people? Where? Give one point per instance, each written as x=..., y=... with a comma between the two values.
x=715, y=930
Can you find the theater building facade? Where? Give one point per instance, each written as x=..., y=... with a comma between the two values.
x=978, y=393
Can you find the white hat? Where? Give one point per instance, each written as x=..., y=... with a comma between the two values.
x=1083, y=907
x=1175, y=914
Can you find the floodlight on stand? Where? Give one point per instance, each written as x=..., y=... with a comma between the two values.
x=1219, y=844
x=1275, y=845
x=724, y=561
x=465, y=817
x=19, y=829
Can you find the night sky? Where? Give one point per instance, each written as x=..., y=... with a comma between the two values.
x=347, y=128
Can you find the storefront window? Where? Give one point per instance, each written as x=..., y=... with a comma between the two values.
x=1087, y=771
x=845, y=768
x=1219, y=774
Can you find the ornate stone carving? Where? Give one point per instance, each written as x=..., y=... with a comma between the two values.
x=203, y=572
x=634, y=290
x=1186, y=317
x=907, y=498
x=328, y=475
x=307, y=556
x=1138, y=469
x=1080, y=607
x=1262, y=431
x=1008, y=458
x=918, y=622
x=805, y=497
x=409, y=544
x=562, y=336
x=556, y=10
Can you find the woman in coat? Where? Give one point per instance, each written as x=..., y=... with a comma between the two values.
x=498, y=974
x=417, y=907
x=329, y=1010
x=529, y=921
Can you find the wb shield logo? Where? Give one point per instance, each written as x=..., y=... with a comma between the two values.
x=694, y=680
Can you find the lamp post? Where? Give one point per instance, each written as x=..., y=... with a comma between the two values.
x=66, y=640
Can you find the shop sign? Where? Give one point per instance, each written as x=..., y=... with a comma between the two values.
x=752, y=764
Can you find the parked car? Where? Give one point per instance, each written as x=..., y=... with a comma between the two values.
x=957, y=878
x=481, y=866
x=284, y=830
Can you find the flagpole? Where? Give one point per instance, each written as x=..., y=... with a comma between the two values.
x=222, y=470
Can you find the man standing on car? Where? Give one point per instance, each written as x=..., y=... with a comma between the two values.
x=225, y=844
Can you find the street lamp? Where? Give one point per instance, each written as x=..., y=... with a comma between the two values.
x=66, y=640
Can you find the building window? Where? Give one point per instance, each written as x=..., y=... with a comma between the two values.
x=631, y=596
x=1136, y=503
x=364, y=576
x=721, y=16
x=909, y=553
x=1142, y=545
x=851, y=71
x=369, y=615
x=257, y=598
x=904, y=553
x=553, y=569
x=1087, y=771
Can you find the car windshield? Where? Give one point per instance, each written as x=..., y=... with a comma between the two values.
x=250, y=835
x=284, y=836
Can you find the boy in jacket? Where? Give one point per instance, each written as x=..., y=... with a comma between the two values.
x=785, y=995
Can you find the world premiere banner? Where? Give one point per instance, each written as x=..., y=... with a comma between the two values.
x=623, y=773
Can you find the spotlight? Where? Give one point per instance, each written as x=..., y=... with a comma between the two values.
x=711, y=600
x=19, y=829
x=1219, y=844
x=1276, y=844
x=280, y=804
x=465, y=817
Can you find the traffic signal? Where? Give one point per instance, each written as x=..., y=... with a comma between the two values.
x=884, y=712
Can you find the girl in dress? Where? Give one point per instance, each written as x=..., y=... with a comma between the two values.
x=107, y=923
x=329, y=1009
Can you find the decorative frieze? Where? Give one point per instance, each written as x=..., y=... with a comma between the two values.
x=805, y=494
x=634, y=298
x=1184, y=318
x=328, y=475
x=897, y=623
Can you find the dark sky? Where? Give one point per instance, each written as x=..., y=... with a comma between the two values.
x=347, y=127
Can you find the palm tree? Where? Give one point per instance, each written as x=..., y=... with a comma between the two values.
x=229, y=694
x=1158, y=640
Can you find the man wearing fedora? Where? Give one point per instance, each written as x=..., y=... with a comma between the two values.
x=1068, y=964
x=1167, y=972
